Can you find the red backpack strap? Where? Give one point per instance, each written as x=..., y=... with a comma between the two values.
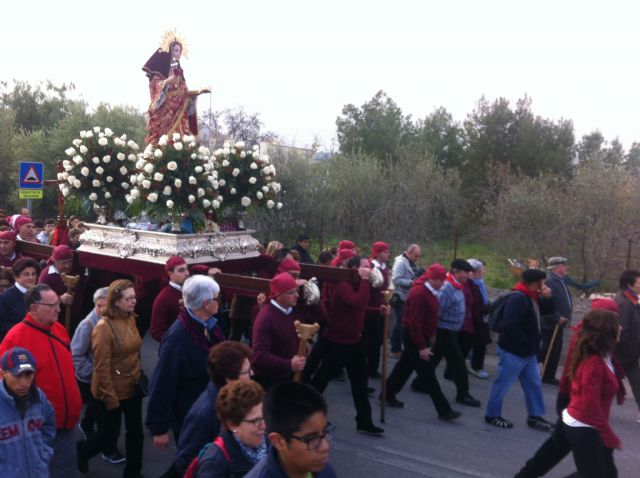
x=219, y=442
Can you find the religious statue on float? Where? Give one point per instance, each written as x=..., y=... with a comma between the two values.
x=173, y=105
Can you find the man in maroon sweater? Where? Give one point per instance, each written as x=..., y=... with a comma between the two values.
x=342, y=343
x=166, y=306
x=7, y=248
x=419, y=325
x=275, y=341
x=373, y=327
x=61, y=262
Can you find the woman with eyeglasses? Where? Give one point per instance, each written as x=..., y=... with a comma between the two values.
x=116, y=345
x=242, y=442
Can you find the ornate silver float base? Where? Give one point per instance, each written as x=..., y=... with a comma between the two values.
x=156, y=247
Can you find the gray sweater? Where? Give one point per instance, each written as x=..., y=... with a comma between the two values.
x=81, y=347
x=402, y=276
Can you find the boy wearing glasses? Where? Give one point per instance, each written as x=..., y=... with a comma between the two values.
x=297, y=427
x=41, y=333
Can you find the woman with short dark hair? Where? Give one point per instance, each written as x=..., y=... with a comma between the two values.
x=12, y=305
x=242, y=442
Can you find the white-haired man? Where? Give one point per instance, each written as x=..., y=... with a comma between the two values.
x=180, y=374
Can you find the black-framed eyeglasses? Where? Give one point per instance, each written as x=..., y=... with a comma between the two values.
x=314, y=442
x=55, y=306
x=256, y=422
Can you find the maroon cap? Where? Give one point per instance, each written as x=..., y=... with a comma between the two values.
x=281, y=283
x=62, y=253
x=345, y=244
x=21, y=221
x=377, y=248
x=173, y=262
x=604, y=303
x=288, y=265
x=436, y=272
x=8, y=236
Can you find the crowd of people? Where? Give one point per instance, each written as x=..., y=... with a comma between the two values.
x=241, y=395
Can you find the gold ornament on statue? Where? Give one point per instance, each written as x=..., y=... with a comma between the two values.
x=171, y=36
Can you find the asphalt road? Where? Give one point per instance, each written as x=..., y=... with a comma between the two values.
x=417, y=444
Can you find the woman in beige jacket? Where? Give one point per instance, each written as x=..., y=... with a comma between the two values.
x=116, y=346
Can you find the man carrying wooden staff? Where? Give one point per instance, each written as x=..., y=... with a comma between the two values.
x=61, y=264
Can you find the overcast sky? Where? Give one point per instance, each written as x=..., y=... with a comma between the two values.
x=297, y=63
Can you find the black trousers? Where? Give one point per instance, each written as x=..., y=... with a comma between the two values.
x=409, y=361
x=94, y=415
x=554, y=357
x=131, y=408
x=372, y=333
x=447, y=347
x=592, y=458
x=336, y=356
x=466, y=341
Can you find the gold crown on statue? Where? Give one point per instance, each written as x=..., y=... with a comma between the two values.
x=171, y=36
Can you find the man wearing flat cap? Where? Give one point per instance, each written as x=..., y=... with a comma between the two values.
x=518, y=347
x=561, y=317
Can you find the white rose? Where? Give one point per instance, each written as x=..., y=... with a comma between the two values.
x=148, y=168
x=198, y=169
x=108, y=132
x=157, y=153
x=235, y=172
x=206, y=203
x=253, y=166
x=226, y=151
x=148, y=151
x=71, y=178
x=177, y=183
x=192, y=198
x=176, y=137
x=135, y=193
x=131, y=157
x=265, y=158
x=225, y=163
x=232, y=191
x=178, y=146
x=169, y=204
x=124, y=185
x=194, y=156
x=158, y=177
x=167, y=190
x=120, y=156
x=256, y=147
x=83, y=134
x=222, y=182
x=140, y=164
x=146, y=184
x=128, y=198
x=109, y=179
x=93, y=196
x=270, y=204
x=265, y=189
x=259, y=195
x=132, y=144
x=252, y=180
x=217, y=152
x=107, y=195
x=76, y=142
x=96, y=129
x=84, y=171
x=118, y=142
x=214, y=183
x=239, y=145
x=60, y=176
x=279, y=205
x=203, y=150
x=192, y=180
x=68, y=167
x=106, y=159
x=99, y=170
x=163, y=140
x=95, y=160
x=95, y=183
x=66, y=163
x=200, y=192
x=172, y=166
x=256, y=155
x=123, y=171
x=77, y=183
x=243, y=155
x=153, y=197
x=65, y=175
x=207, y=166
x=65, y=191
x=83, y=149
x=245, y=201
x=140, y=178
x=77, y=159
x=103, y=141
x=215, y=204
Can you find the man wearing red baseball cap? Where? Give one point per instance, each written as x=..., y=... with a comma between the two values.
x=8, y=254
x=275, y=341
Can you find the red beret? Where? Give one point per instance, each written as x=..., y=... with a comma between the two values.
x=281, y=283
x=21, y=221
x=377, y=248
x=62, y=253
x=288, y=265
x=201, y=269
x=8, y=236
x=604, y=303
x=436, y=272
x=172, y=262
x=345, y=244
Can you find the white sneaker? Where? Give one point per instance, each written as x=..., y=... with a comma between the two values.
x=478, y=373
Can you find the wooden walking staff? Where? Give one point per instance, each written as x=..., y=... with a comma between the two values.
x=305, y=332
x=70, y=282
x=550, y=348
x=386, y=299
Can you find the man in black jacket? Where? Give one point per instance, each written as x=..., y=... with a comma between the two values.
x=561, y=317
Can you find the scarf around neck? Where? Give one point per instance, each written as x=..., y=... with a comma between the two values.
x=452, y=280
x=520, y=287
x=254, y=454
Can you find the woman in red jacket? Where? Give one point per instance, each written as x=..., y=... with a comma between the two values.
x=593, y=387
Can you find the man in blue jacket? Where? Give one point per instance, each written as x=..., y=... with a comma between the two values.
x=27, y=422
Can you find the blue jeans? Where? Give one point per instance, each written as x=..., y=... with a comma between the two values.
x=396, y=334
x=64, y=462
x=510, y=367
